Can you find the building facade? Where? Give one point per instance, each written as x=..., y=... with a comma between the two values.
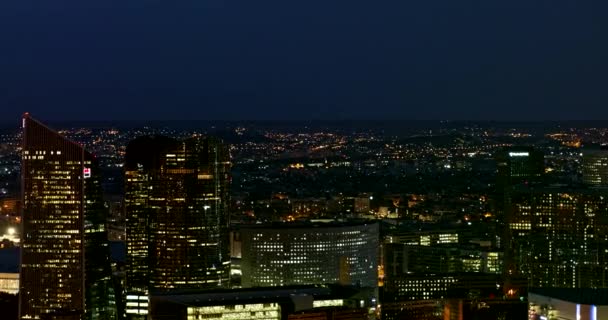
x=290, y=254
x=177, y=221
x=519, y=164
x=65, y=263
x=442, y=296
x=272, y=303
x=559, y=236
x=402, y=259
x=595, y=167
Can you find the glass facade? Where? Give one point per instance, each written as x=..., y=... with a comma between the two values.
x=56, y=202
x=289, y=255
x=177, y=222
x=103, y=293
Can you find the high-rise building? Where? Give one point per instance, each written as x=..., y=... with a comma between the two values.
x=65, y=262
x=516, y=166
x=595, y=167
x=559, y=236
x=177, y=221
x=103, y=299
x=307, y=253
x=519, y=164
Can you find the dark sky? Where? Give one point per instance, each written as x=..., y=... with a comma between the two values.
x=286, y=59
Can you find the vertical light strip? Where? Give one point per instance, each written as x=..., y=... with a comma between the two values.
x=593, y=312
x=578, y=312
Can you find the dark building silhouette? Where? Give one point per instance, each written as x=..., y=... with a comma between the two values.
x=177, y=221
x=516, y=166
x=9, y=304
x=65, y=265
x=519, y=165
x=331, y=313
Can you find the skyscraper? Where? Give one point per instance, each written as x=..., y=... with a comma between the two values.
x=177, y=221
x=560, y=236
x=519, y=164
x=103, y=298
x=595, y=167
x=65, y=266
x=515, y=166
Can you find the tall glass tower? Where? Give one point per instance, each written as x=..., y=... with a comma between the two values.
x=65, y=265
x=516, y=166
x=177, y=222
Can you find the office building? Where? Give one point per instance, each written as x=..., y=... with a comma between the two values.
x=441, y=296
x=516, y=166
x=309, y=253
x=519, y=164
x=177, y=221
x=65, y=263
x=402, y=259
x=595, y=167
x=265, y=303
x=559, y=236
x=419, y=237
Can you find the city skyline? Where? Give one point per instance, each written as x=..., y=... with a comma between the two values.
x=318, y=160
x=442, y=216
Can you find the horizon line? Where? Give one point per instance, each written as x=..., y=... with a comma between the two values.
x=5, y=121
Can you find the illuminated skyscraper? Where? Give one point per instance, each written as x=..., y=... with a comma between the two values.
x=595, y=167
x=177, y=221
x=65, y=266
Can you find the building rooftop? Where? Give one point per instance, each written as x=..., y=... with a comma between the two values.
x=254, y=295
x=307, y=224
x=581, y=296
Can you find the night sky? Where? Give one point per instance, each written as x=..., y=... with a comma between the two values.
x=330, y=59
